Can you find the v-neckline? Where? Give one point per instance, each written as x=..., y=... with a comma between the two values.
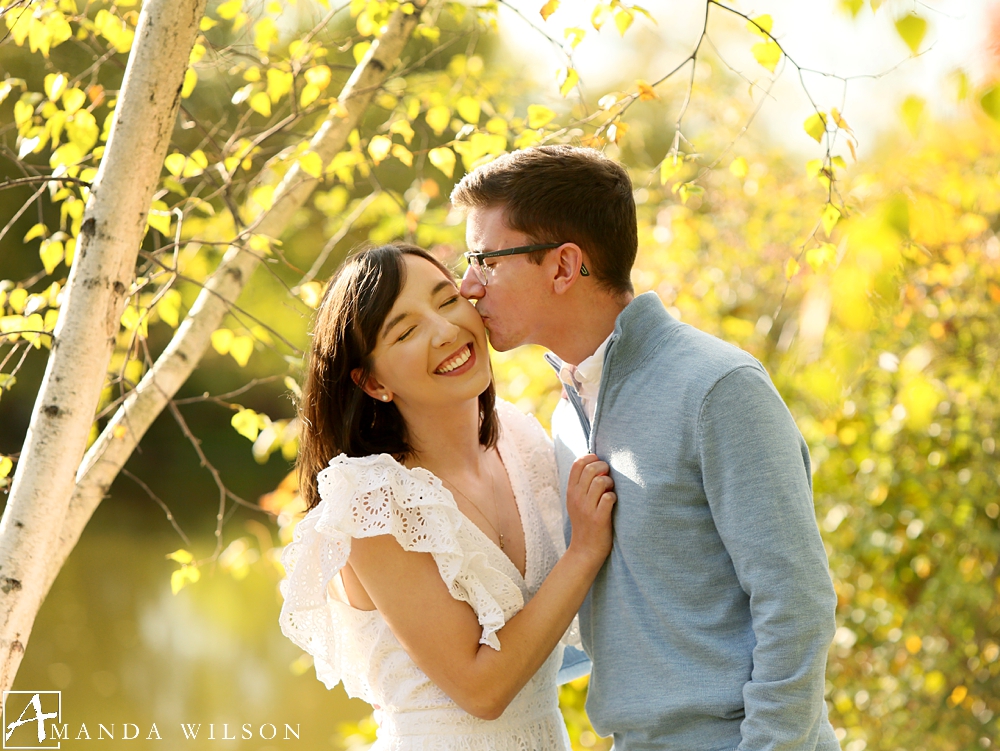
x=504, y=459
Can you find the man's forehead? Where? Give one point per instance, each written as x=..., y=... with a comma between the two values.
x=485, y=228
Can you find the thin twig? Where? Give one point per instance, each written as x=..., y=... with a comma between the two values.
x=340, y=234
x=159, y=501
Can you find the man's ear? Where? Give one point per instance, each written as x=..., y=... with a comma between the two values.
x=568, y=262
x=370, y=385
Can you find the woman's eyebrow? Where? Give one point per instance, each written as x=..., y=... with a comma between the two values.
x=443, y=284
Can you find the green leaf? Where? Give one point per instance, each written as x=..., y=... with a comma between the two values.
x=815, y=126
x=990, y=102
x=912, y=29
x=669, y=167
x=767, y=54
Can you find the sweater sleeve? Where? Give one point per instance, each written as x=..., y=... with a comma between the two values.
x=755, y=469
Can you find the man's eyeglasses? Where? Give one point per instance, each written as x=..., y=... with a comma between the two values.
x=484, y=272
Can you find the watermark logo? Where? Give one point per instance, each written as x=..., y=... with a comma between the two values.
x=26, y=715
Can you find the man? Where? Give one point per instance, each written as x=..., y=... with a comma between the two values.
x=709, y=625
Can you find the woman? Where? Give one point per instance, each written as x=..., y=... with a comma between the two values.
x=427, y=575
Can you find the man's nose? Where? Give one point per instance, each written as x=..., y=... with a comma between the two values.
x=471, y=288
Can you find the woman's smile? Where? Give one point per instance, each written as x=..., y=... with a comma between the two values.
x=460, y=362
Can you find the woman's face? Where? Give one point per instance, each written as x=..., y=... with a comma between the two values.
x=431, y=350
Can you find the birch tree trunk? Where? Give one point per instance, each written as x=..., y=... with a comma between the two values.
x=113, y=226
x=172, y=368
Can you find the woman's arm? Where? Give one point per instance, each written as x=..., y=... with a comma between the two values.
x=441, y=634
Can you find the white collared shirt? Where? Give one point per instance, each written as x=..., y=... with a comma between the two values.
x=586, y=378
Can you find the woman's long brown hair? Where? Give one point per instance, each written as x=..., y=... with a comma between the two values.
x=337, y=416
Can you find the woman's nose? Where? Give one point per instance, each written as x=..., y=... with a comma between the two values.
x=445, y=332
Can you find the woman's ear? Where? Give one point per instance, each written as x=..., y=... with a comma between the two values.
x=370, y=385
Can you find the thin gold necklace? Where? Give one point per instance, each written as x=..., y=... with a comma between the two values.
x=496, y=508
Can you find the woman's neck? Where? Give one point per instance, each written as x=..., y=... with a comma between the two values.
x=446, y=439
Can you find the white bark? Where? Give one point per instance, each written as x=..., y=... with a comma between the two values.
x=112, y=231
x=172, y=368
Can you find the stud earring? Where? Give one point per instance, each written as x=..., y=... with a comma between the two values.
x=385, y=397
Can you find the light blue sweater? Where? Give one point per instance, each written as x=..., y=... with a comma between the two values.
x=709, y=625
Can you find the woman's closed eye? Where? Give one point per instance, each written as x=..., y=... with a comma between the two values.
x=406, y=333
x=450, y=301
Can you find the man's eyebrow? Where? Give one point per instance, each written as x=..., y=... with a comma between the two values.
x=443, y=284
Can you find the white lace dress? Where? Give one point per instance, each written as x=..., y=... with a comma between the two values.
x=376, y=495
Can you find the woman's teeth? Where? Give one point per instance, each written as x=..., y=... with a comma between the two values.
x=457, y=361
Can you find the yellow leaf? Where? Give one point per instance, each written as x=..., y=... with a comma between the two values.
x=82, y=131
x=623, y=19
x=548, y=9
x=402, y=154
x=669, y=167
x=169, y=308
x=379, y=147
x=912, y=109
x=175, y=164
x=221, y=340
x=73, y=100
x=246, y=423
x=574, y=35
x=568, y=79
x=360, y=50
x=404, y=129
x=318, y=76
x=311, y=164
x=241, y=348
x=5, y=465
x=279, y=83
x=37, y=230
x=539, y=116
x=815, y=126
x=646, y=92
x=468, y=109
x=309, y=95
x=444, y=159
x=912, y=29
x=51, y=254
x=791, y=268
x=265, y=33
x=822, y=255
x=497, y=126
x=600, y=15
x=261, y=104
x=438, y=118
x=182, y=556
x=207, y=24
x=159, y=217
x=190, y=81
x=55, y=85
x=311, y=293
x=616, y=131
x=831, y=215
x=767, y=54
x=764, y=22
x=739, y=167
x=227, y=11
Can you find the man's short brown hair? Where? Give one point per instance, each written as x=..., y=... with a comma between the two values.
x=563, y=194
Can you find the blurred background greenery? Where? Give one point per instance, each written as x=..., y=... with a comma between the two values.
x=878, y=325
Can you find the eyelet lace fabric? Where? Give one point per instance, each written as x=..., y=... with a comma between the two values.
x=376, y=495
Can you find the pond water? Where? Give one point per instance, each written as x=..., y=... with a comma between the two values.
x=128, y=654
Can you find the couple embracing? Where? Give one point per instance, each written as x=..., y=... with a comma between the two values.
x=454, y=557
